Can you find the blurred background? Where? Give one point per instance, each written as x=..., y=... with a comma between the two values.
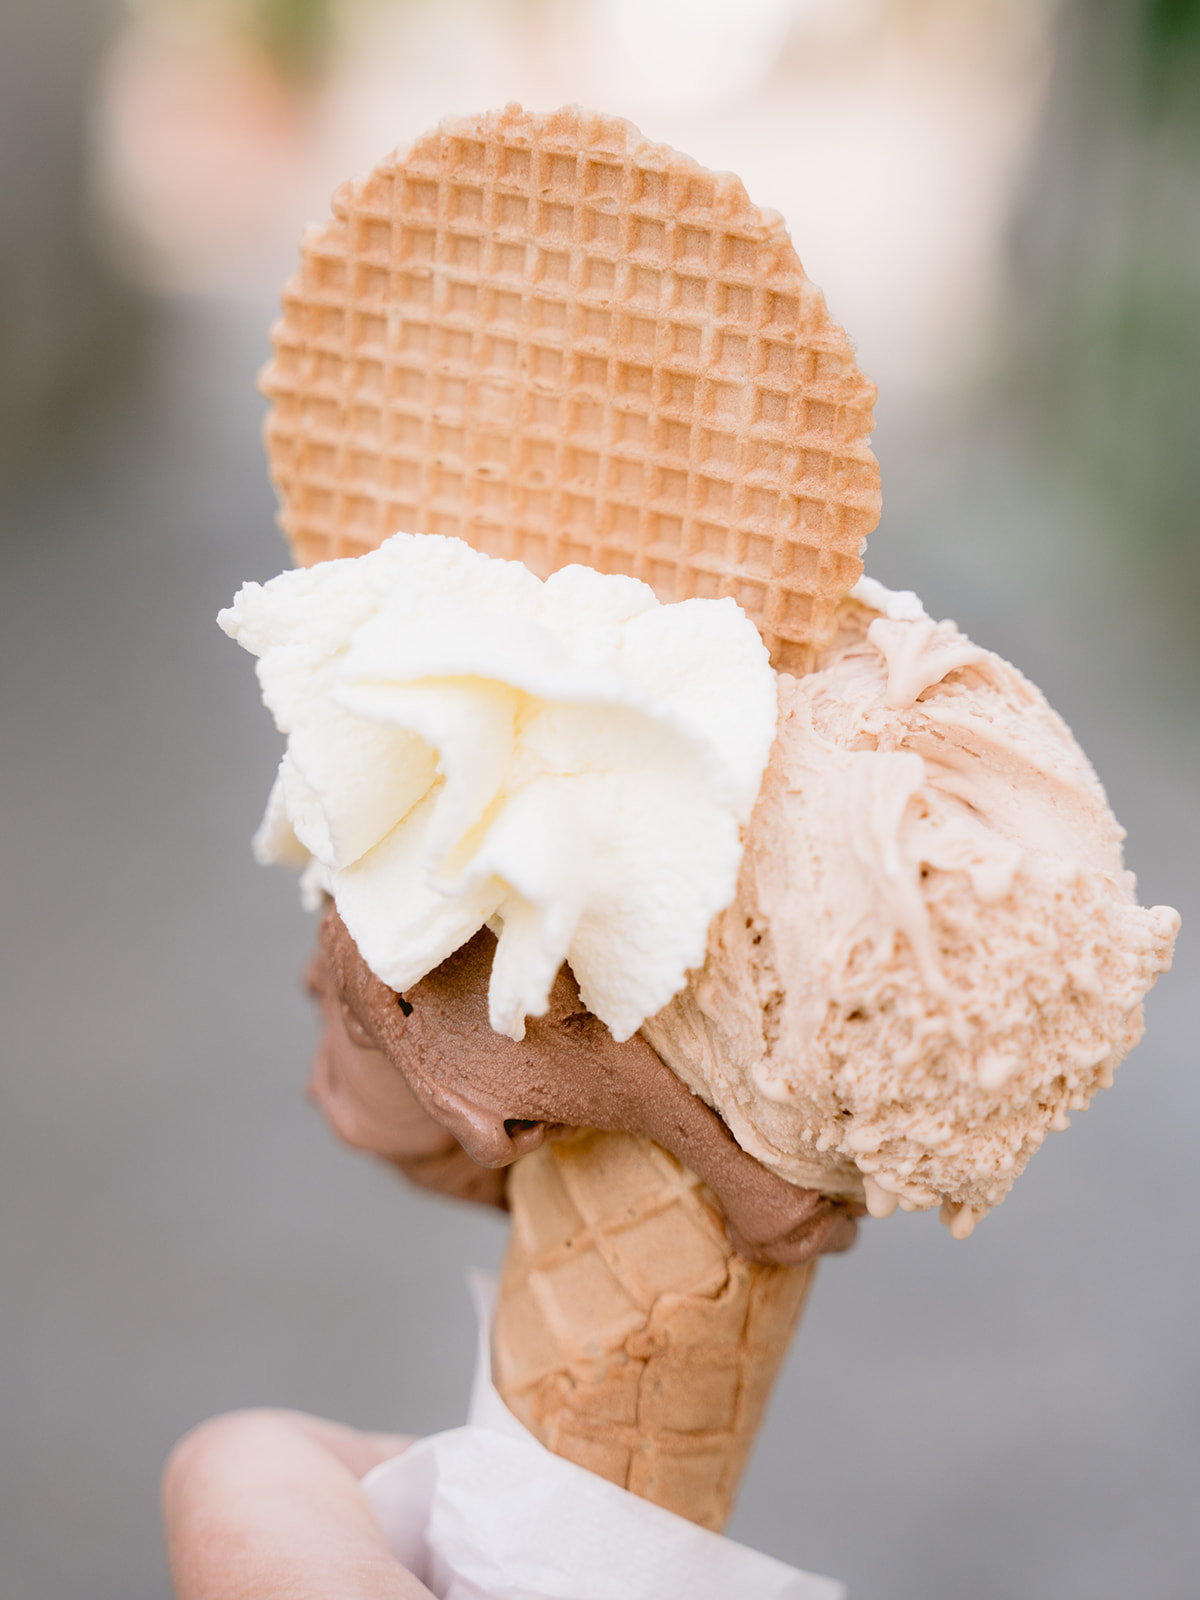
x=1001, y=199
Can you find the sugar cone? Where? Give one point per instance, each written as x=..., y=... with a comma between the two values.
x=629, y=1337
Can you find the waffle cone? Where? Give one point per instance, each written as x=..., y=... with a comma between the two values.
x=628, y=1336
x=562, y=343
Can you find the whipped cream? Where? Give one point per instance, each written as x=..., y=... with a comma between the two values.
x=569, y=762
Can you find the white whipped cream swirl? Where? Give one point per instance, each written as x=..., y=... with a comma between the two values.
x=569, y=762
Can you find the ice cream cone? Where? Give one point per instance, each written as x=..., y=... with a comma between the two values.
x=629, y=1337
x=564, y=344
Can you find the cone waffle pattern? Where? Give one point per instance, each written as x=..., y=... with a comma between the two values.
x=561, y=343
x=628, y=1336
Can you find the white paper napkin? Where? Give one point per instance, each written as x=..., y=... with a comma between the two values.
x=485, y=1512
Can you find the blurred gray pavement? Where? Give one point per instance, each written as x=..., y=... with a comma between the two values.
x=1014, y=1416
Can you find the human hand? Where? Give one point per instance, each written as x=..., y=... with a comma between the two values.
x=260, y=1504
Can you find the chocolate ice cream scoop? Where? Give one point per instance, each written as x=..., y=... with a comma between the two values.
x=370, y=1107
x=499, y=1098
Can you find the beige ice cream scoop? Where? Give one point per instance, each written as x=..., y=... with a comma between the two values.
x=935, y=952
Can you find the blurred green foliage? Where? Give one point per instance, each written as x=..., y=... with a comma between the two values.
x=294, y=35
x=1170, y=47
x=1108, y=247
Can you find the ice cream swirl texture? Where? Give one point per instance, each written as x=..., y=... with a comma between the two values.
x=935, y=952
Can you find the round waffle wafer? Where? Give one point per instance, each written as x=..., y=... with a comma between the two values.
x=561, y=343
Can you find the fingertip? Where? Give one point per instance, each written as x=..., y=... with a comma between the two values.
x=387, y=1446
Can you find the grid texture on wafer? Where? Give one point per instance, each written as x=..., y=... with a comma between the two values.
x=628, y=1335
x=561, y=343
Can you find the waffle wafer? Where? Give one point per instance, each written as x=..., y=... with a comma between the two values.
x=562, y=343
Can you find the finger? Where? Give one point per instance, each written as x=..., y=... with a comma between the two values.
x=262, y=1504
x=357, y=1451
